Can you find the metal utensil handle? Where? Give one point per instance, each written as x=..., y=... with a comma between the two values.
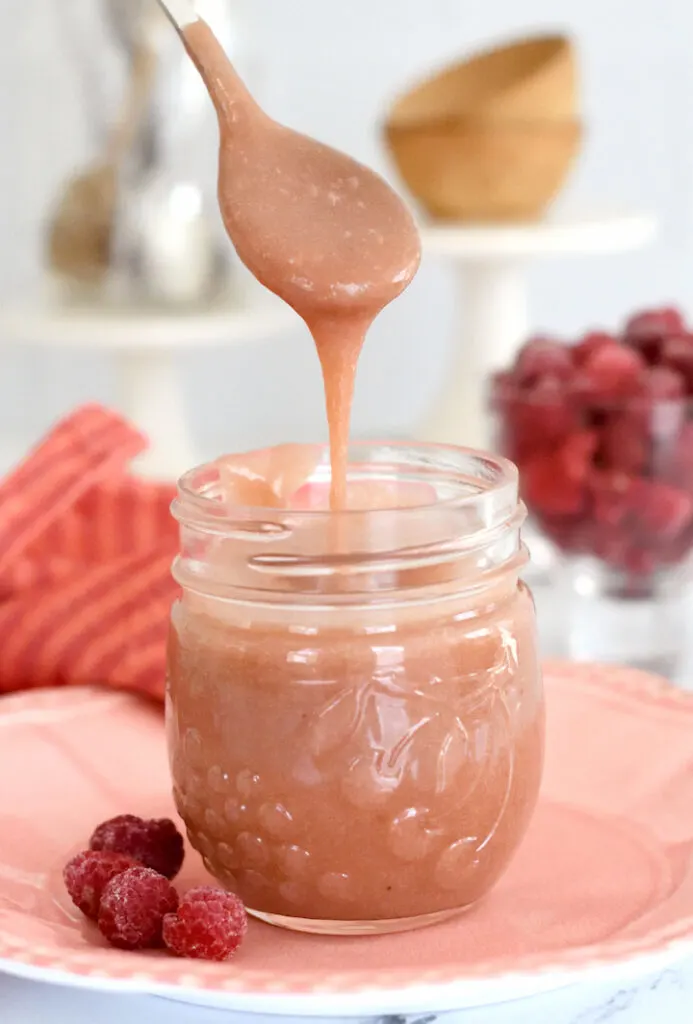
x=181, y=12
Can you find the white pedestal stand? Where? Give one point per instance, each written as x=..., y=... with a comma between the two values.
x=491, y=264
x=143, y=346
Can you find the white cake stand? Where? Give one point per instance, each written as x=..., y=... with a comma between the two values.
x=144, y=346
x=491, y=265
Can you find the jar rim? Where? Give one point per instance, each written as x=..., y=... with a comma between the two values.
x=469, y=525
x=473, y=477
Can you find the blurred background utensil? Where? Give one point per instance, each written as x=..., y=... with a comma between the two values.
x=81, y=230
x=136, y=228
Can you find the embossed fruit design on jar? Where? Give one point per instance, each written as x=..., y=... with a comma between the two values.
x=354, y=707
x=602, y=433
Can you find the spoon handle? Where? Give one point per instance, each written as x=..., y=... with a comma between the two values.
x=181, y=12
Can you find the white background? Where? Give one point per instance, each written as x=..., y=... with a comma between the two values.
x=330, y=69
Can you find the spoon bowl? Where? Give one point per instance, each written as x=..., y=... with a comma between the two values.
x=333, y=198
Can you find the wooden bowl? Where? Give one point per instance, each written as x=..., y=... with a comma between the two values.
x=533, y=79
x=485, y=171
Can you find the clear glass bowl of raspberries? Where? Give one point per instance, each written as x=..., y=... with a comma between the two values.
x=602, y=433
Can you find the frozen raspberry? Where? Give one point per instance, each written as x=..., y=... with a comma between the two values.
x=611, y=497
x=87, y=875
x=665, y=321
x=625, y=442
x=554, y=484
x=542, y=357
x=210, y=925
x=662, y=511
x=613, y=371
x=548, y=491
x=647, y=332
x=663, y=385
x=157, y=843
x=133, y=907
x=590, y=344
x=535, y=420
x=575, y=455
x=677, y=354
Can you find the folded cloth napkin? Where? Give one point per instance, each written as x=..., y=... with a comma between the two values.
x=85, y=562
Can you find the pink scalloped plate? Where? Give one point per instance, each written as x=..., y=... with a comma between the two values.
x=603, y=884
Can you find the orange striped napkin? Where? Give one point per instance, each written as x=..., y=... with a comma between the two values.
x=85, y=559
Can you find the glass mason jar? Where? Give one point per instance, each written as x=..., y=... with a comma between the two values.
x=354, y=701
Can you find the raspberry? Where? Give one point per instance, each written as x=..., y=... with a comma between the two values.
x=157, y=843
x=590, y=344
x=664, y=321
x=677, y=354
x=534, y=420
x=662, y=512
x=647, y=332
x=612, y=371
x=542, y=357
x=576, y=454
x=133, y=907
x=547, y=489
x=553, y=485
x=210, y=925
x=625, y=442
x=611, y=497
x=662, y=384
x=87, y=875
x=603, y=441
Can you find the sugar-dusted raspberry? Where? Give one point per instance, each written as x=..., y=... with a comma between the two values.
x=589, y=344
x=647, y=332
x=663, y=384
x=665, y=321
x=210, y=925
x=662, y=511
x=575, y=454
x=625, y=442
x=87, y=875
x=613, y=371
x=156, y=843
x=611, y=492
x=553, y=485
x=677, y=354
x=533, y=420
x=543, y=357
x=133, y=907
x=548, y=491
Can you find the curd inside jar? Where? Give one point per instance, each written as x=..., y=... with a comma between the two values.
x=354, y=701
